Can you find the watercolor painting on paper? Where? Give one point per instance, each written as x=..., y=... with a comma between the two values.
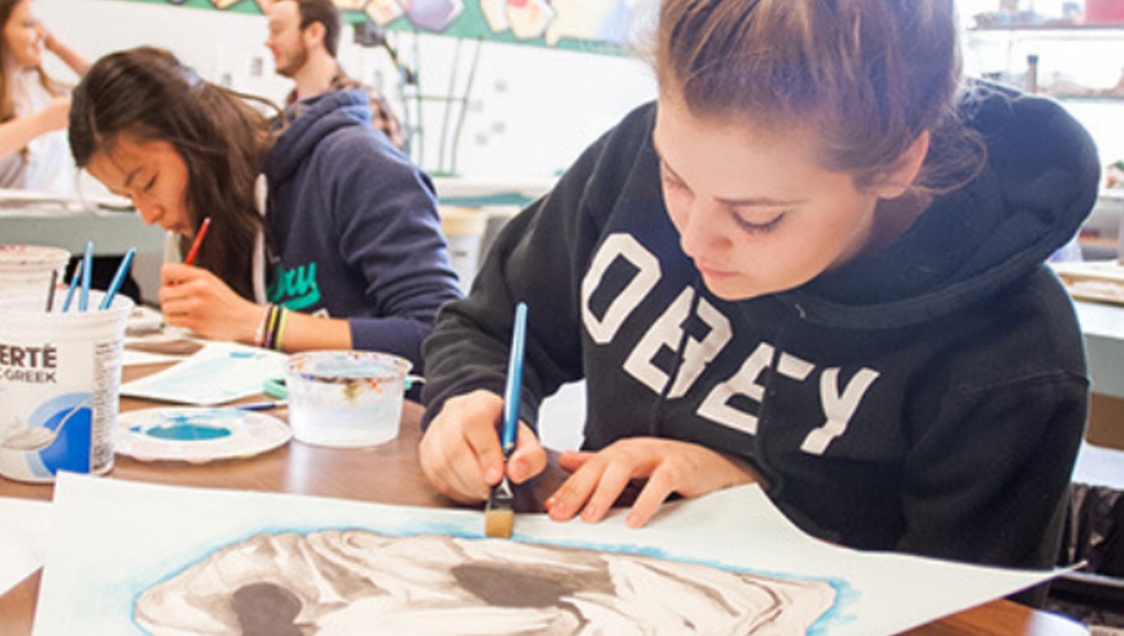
x=130, y=558
x=342, y=582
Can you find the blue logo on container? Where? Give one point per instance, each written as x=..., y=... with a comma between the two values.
x=70, y=418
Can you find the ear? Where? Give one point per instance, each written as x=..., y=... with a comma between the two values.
x=313, y=34
x=900, y=175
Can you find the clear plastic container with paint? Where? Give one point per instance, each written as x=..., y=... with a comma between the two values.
x=345, y=398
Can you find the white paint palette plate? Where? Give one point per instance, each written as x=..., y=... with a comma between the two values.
x=198, y=434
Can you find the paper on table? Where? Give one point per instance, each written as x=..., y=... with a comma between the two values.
x=23, y=539
x=147, y=535
x=221, y=372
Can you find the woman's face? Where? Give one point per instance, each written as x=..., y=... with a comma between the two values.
x=753, y=208
x=152, y=174
x=23, y=39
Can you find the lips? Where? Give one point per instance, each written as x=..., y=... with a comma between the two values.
x=712, y=272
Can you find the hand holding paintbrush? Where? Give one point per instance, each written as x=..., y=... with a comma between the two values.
x=499, y=515
x=191, y=254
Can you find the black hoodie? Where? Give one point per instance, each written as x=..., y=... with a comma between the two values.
x=929, y=398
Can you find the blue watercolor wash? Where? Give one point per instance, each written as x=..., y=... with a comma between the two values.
x=187, y=432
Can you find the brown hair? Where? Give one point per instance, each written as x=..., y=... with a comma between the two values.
x=7, y=106
x=150, y=94
x=327, y=13
x=869, y=75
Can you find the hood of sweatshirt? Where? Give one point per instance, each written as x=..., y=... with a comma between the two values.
x=1037, y=186
x=310, y=121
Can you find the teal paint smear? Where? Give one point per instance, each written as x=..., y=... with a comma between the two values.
x=187, y=432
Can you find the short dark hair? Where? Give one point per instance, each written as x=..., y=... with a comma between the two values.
x=327, y=13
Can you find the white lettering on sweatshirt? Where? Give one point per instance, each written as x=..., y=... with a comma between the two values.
x=666, y=333
x=648, y=266
x=838, y=408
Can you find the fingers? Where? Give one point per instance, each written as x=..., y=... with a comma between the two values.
x=668, y=467
x=529, y=457
x=460, y=453
x=450, y=471
x=570, y=461
x=175, y=273
x=181, y=301
x=598, y=479
x=484, y=442
x=655, y=491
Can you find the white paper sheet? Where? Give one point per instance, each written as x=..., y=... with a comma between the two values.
x=221, y=372
x=116, y=539
x=24, y=526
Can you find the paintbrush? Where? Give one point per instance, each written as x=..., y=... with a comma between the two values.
x=191, y=254
x=499, y=514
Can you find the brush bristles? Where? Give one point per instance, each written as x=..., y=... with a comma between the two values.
x=499, y=523
x=499, y=515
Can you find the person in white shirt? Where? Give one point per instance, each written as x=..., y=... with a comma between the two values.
x=34, y=108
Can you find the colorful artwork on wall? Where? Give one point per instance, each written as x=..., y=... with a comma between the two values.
x=590, y=25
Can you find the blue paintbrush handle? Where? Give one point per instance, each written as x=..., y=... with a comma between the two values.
x=73, y=286
x=118, y=278
x=514, y=387
x=87, y=265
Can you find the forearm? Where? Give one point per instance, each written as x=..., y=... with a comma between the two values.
x=303, y=332
x=76, y=62
x=16, y=133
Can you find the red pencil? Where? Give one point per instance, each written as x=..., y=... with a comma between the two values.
x=198, y=241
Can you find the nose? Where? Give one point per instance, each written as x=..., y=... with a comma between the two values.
x=702, y=232
x=148, y=210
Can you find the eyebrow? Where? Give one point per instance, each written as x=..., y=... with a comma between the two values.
x=759, y=202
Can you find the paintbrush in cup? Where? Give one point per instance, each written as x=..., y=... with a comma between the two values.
x=499, y=514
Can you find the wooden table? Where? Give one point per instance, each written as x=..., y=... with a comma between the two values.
x=390, y=474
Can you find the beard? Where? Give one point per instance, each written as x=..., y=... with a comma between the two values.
x=296, y=61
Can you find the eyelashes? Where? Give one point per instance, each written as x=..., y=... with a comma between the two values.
x=749, y=227
x=759, y=228
x=672, y=183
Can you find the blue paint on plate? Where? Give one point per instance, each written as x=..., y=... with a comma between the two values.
x=187, y=432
